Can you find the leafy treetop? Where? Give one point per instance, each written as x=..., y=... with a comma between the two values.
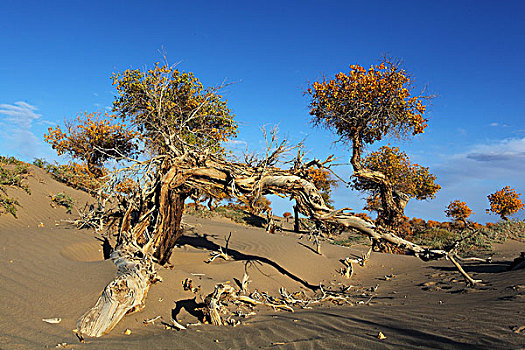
x=458, y=210
x=408, y=178
x=172, y=110
x=93, y=138
x=365, y=105
x=505, y=202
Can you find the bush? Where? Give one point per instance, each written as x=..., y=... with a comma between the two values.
x=63, y=200
x=500, y=231
x=435, y=237
x=40, y=162
x=12, y=173
x=13, y=176
x=8, y=205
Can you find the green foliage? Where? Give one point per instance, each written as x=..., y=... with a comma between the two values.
x=235, y=214
x=40, y=163
x=507, y=229
x=8, y=205
x=10, y=161
x=435, y=237
x=240, y=216
x=63, y=200
x=164, y=102
x=351, y=240
x=12, y=174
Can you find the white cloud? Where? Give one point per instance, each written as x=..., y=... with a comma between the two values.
x=475, y=173
x=17, y=138
x=21, y=114
x=511, y=151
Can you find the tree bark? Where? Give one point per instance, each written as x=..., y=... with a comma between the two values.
x=124, y=295
x=170, y=229
x=392, y=203
x=296, y=223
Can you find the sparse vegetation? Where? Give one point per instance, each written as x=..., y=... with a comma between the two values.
x=8, y=205
x=63, y=200
x=12, y=174
x=74, y=175
x=230, y=211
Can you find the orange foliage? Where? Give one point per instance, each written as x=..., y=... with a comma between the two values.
x=404, y=228
x=505, y=202
x=368, y=103
x=411, y=179
x=322, y=180
x=432, y=223
x=92, y=138
x=126, y=186
x=364, y=216
x=417, y=222
x=458, y=210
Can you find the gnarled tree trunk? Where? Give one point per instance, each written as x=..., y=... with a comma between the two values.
x=124, y=295
x=162, y=216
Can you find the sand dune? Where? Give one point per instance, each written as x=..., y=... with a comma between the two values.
x=49, y=269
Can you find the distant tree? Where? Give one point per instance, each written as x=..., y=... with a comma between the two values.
x=364, y=106
x=260, y=205
x=287, y=215
x=93, y=138
x=408, y=180
x=458, y=211
x=505, y=202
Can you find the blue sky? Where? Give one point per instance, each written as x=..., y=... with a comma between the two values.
x=57, y=57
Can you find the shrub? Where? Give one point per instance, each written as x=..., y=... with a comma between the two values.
x=12, y=173
x=8, y=205
x=435, y=237
x=63, y=200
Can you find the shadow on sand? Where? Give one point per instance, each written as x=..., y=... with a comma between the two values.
x=202, y=242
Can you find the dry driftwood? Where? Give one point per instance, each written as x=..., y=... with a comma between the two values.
x=213, y=302
x=125, y=294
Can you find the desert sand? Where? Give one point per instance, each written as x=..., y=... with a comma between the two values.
x=50, y=269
